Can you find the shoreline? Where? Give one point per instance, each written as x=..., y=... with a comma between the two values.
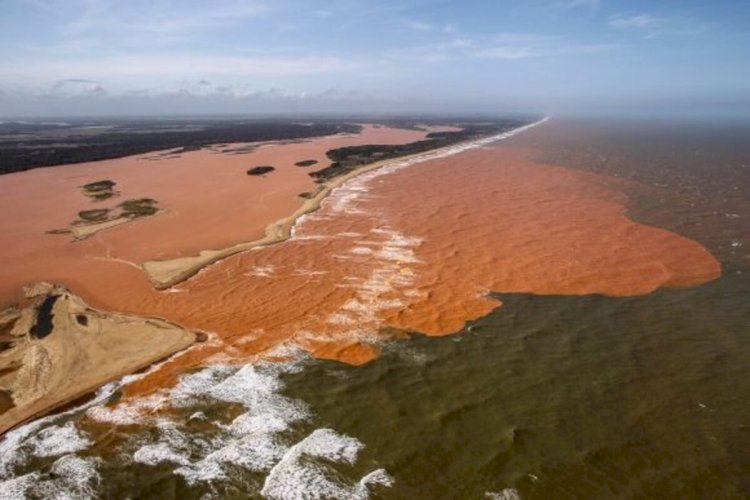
x=61, y=349
x=164, y=274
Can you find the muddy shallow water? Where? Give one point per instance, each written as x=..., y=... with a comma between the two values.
x=617, y=364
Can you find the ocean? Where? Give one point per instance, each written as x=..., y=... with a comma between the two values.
x=563, y=314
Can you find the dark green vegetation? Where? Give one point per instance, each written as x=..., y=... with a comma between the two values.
x=306, y=163
x=131, y=209
x=261, y=170
x=100, y=190
x=141, y=207
x=94, y=215
x=346, y=159
x=28, y=145
x=306, y=195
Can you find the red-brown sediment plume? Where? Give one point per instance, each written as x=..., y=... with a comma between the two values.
x=417, y=249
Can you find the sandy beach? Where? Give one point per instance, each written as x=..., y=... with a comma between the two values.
x=61, y=349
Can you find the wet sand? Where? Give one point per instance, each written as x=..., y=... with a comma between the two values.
x=416, y=249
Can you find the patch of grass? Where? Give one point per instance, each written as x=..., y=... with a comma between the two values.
x=306, y=163
x=261, y=170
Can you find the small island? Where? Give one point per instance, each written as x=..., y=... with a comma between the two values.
x=130, y=209
x=93, y=220
x=306, y=163
x=261, y=170
x=100, y=190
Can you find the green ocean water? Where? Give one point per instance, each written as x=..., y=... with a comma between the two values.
x=582, y=397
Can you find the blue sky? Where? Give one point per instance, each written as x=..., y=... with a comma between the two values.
x=86, y=57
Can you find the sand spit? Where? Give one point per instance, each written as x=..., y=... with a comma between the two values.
x=58, y=349
x=164, y=274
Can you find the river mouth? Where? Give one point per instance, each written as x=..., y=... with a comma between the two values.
x=549, y=395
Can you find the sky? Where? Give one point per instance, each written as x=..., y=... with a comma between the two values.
x=168, y=57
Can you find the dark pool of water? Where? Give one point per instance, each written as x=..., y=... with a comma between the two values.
x=43, y=325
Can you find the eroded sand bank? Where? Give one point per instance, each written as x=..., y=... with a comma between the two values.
x=417, y=249
x=60, y=349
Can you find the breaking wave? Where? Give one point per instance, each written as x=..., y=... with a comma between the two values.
x=218, y=428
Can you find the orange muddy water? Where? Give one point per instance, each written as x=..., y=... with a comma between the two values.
x=418, y=248
x=209, y=199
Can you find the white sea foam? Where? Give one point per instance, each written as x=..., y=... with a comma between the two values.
x=154, y=454
x=69, y=477
x=257, y=440
x=75, y=477
x=58, y=440
x=251, y=441
x=16, y=488
x=298, y=475
x=14, y=448
x=376, y=477
x=506, y=494
x=262, y=271
x=130, y=413
x=361, y=251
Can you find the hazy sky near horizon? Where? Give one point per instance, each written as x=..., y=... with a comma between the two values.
x=104, y=57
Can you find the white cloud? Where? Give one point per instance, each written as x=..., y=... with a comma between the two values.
x=652, y=26
x=422, y=26
x=577, y=4
x=515, y=52
x=174, y=66
x=153, y=21
x=419, y=26
x=503, y=46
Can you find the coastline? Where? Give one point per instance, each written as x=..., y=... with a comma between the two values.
x=164, y=274
x=60, y=349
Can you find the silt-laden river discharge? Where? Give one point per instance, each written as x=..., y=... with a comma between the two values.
x=560, y=390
